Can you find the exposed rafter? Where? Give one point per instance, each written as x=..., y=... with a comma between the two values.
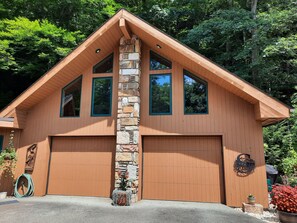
x=125, y=28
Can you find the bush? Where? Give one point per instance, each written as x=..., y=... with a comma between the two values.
x=290, y=163
x=285, y=198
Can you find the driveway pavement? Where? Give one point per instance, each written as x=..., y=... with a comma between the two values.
x=89, y=209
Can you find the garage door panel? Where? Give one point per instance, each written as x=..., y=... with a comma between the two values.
x=81, y=166
x=183, y=168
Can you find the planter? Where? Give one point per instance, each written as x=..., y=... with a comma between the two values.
x=3, y=195
x=286, y=217
x=121, y=198
x=251, y=200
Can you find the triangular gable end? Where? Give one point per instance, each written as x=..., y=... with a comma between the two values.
x=267, y=109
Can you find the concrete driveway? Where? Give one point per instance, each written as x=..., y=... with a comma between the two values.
x=90, y=209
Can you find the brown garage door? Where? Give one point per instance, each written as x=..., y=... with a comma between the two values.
x=82, y=166
x=183, y=168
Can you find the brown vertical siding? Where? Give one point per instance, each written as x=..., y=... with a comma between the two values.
x=229, y=116
x=82, y=166
x=43, y=120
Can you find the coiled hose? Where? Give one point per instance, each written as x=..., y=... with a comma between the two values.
x=30, y=188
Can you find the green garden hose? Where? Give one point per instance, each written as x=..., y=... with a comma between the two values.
x=30, y=187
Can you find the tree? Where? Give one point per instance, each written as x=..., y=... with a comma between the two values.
x=281, y=141
x=29, y=49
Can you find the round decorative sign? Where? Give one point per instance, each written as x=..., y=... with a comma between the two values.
x=244, y=165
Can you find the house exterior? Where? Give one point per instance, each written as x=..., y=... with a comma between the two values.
x=132, y=98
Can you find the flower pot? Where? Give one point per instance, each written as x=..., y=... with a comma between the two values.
x=251, y=200
x=121, y=198
x=3, y=195
x=286, y=217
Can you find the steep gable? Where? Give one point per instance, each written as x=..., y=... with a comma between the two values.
x=267, y=109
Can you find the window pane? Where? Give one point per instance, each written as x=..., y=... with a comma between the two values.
x=104, y=66
x=160, y=87
x=102, y=91
x=195, y=91
x=158, y=62
x=71, y=94
x=1, y=142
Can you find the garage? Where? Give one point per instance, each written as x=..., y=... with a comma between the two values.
x=183, y=168
x=82, y=166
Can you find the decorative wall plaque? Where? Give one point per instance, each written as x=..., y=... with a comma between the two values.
x=30, y=158
x=244, y=165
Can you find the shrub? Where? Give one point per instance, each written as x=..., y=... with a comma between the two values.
x=285, y=198
x=290, y=163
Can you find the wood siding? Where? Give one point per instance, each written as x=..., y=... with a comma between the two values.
x=229, y=116
x=183, y=168
x=44, y=121
x=82, y=166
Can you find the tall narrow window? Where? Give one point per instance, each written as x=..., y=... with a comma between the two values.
x=160, y=94
x=158, y=62
x=71, y=96
x=195, y=94
x=102, y=96
x=104, y=66
x=1, y=142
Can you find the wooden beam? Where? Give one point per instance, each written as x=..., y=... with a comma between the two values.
x=5, y=124
x=125, y=29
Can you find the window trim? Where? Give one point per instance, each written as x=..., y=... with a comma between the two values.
x=151, y=51
x=110, y=98
x=150, y=95
x=61, y=116
x=102, y=61
x=1, y=142
x=195, y=77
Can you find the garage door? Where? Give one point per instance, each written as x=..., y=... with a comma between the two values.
x=82, y=166
x=183, y=168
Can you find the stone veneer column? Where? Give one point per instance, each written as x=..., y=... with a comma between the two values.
x=127, y=143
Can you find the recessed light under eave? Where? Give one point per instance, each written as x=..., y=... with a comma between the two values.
x=97, y=50
x=158, y=46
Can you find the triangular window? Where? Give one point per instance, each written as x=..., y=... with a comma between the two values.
x=105, y=65
x=71, y=95
x=158, y=62
x=195, y=94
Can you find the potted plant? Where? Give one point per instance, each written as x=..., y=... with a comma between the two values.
x=285, y=199
x=251, y=199
x=8, y=160
x=122, y=196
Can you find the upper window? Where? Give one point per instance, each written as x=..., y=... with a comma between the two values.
x=158, y=62
x=1, y=142
x=105, y=65
x=71, y=95
x=160, y=94
x=102, y=96
x=195, y=93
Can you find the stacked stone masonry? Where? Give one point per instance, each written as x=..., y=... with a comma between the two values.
x=127, y=144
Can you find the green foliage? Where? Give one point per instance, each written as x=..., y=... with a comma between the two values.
x=8, y=154
x=30, y=48
x=290, y=163
x=281, y=142
x=83, y=15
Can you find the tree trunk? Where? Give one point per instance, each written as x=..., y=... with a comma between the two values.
x=255, y=47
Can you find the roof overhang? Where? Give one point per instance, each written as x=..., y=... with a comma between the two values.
x=6, y=122
x=123, y=23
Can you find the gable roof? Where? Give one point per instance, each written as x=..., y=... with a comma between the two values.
x=267, y=109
